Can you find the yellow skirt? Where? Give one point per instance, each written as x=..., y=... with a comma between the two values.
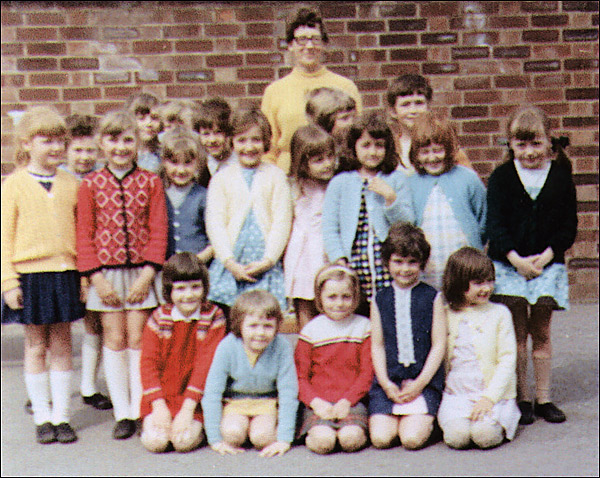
x=250, y=407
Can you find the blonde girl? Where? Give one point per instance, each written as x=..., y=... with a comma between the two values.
x=121, y=243
x=361, y=204
x=448, y=199
x=313, y=165
x=479, y=403
x=248, y=216
x=40, y=283
x=531, y=222
x=333, y=360
x=251, y=390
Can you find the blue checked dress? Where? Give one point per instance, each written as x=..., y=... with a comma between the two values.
x=249, y=247
x=365, y=257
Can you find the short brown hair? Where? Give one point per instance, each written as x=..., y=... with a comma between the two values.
x=304, y=17
x=258, y=302
x=428, y=129
x=116, y=122
x=409, y=84
x=336, y=272
x=375, y=125
x=142, y=103
x=406, y=240
x=245, y=118
x=213, y=113
x=183, y=267
x=307, y=142
x=324, y=103
x=463, y=266
x=81, y=126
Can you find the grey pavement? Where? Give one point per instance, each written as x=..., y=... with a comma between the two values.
x=541, y=449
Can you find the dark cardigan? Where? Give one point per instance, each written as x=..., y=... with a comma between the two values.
x=516, y=222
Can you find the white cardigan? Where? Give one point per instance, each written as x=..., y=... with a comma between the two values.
x=229, y=202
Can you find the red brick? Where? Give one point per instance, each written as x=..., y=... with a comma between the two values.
x=472, y=83
x=36, y=64
x=120, y=92
x=263, y=58
x=38, y=94
x=533, y=66
x=11, y=19
x=555, y=109
x=372, y=85
x=222, y=30
x=397, y=39
x=79, y=64
x=474, y=140
x=511, y=81
x=580, y=6
x=333, y=57
x=439, y=9
x=255, y=14
x=397, y=9
x=409, y=54
x=13, y=49
x=46, y=49
x=366, y=26
x=347, y=71
x=590, y=34
x=545, y=81
x=255, y=74
x=103, y=108
x=549, y=20
x=532, y=7
x=539, y=36
x=407, y=25
x=37, y=34
x=482, y=97
x=191, y=46
x=192, y=15
x=512, y=52
x=461, y=112
x=120, y=33
x=398, y=69
x=580, y=122
x=16, y=81
x=78, y=33
x=470, y=53
x=152, y=47
x=49, y=79
x=258, y=43
x=342, y=41
x=507, y=22
x=259, y=29
x=440, y=68
x=112, y=77
x=81, y=94
x=581, y=64
x=46, y=19
x=335, y=27
x=227, y=90
x=439, y=38
x=181, y=31
x=581, y=93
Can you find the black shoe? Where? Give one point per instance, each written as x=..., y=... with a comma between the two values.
x=138, y=427
x=28, y=408
x=549, y=412
x=527, y=416
x=98, y=401
x=124, y=429
x=45, y=433
x=64, y=433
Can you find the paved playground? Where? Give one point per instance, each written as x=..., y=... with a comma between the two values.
x=541, y=449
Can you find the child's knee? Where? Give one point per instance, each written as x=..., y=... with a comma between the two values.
x=154, y=440
x=234, y=433
x=321, y=440
x=188, y=440
x=262, y=437
x=487, y=435
x=415, y=440
x=380, y=439
x=457, y=434
x=351, y=438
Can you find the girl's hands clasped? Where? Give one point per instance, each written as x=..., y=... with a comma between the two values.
x=105, y=290
x=14, y=298
x=483, y=406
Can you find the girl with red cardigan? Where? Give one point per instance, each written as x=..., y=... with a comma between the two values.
x=121, y=242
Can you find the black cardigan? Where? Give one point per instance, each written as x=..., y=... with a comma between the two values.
x=516, y=222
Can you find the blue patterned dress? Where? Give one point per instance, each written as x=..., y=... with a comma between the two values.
x=249, y=247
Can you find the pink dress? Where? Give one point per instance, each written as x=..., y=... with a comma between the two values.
x=305, y=253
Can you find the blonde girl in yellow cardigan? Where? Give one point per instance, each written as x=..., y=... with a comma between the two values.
x=248, y=216
x=479, y=401
x=40, y=282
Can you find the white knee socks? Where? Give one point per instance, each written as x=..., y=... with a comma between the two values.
x=38, y=389
x=116, y=371
x=135, y=382
x=90, y=352
x=60, y=386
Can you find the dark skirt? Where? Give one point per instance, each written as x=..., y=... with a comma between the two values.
x=379, y=403
x=48, y=298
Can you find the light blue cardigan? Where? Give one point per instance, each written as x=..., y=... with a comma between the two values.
x=232, y=376
x=466, y=196
x=342, y=207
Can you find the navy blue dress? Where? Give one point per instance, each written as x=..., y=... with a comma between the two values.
x=421, y=311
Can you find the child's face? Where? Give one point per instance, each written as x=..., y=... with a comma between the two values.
x=370, y=152
x=321, y=167
x=46, y=152
x=407, y=108
x=82, y=154
x=214, y=141
x=432, y=158
x=120, y=149
x=337, y=299
x=405, y=271
x=479, y=292
x=148, y=125
x=249, y=147
x=171, y=124
x=187, y=296
x=258, y=332
x=532, y=154
x=181, y=170
x=343, y=121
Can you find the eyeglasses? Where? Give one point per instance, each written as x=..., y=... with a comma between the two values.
x=303, y=41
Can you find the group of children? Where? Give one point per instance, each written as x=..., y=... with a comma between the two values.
x=184, y=250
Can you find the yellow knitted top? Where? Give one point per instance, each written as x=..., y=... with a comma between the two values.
x=38, y=227
x=284, y=104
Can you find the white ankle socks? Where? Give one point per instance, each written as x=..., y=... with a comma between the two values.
x=38, y=389
x=60, y=387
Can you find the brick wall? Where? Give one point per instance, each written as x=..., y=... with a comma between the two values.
x=482, y=58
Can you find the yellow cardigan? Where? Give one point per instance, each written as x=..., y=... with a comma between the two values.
x=229, y=202
x=38, y=228
x=495, y=345
x=284, y=104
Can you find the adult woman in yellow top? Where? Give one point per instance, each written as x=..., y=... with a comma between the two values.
x=284, y=100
